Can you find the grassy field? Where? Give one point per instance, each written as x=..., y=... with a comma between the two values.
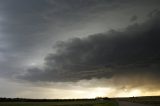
x=62, y=103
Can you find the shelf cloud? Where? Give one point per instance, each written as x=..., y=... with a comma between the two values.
x=132, y=52
x=108, y=47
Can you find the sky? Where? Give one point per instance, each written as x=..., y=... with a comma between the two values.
x=79, y=48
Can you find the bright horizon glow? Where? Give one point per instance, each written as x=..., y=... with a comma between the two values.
x=101, y=92
x=130, y=93
x=86, y=93
x=74, y=92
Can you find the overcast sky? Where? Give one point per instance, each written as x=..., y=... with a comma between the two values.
x=79, y=48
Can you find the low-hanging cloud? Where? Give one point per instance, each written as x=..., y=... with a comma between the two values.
x=127, y=54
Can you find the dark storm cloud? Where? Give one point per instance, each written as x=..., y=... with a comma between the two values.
x=23, y=20
x=131, y=53
x=21, y=25
x=133, y=18
x=27, y=23
x=27, y=27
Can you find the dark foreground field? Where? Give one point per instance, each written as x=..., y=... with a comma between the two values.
x=90, y=102
x=56, y=104
x=132, y=101
x=147, y=100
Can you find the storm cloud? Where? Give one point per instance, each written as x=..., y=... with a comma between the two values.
x=28, y=29
x=126, y=54
x=74, y=47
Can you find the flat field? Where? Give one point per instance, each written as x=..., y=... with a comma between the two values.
x=148, y=100
x=62, y=103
